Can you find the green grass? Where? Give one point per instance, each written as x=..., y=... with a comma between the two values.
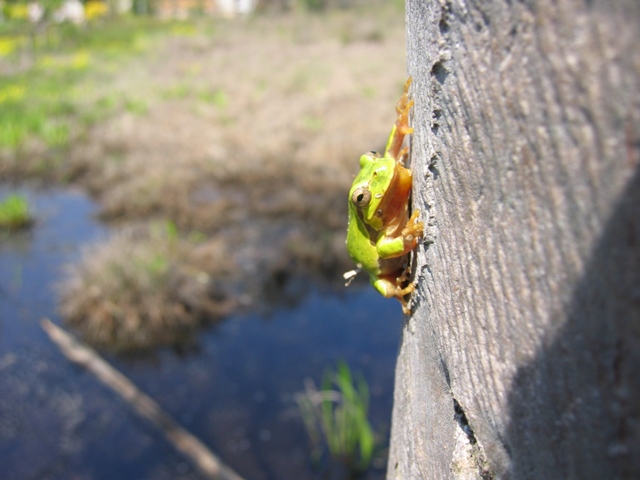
x=14, y=213
x=178, y=91
x=335, y=419
x=215, y=97
x=56, y=98
x=35, y=104
x=136, y=106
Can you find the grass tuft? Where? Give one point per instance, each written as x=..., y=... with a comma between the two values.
x=335, y=419
x=14, y=213
x=137, y=292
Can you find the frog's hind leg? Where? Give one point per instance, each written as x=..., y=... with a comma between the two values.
x=401, y=126
x=390, y=288
x=402, y=109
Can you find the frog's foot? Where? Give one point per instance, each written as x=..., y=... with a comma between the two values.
x=404, y=276
x=413, y=231
x=389, y=288
x=405, y=306
x=403, y=293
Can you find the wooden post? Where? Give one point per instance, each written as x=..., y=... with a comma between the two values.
x=522, y=359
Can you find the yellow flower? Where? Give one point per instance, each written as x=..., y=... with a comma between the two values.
x=7, y=45
x=12, y=93
x=94, y=9
x=80, y=60
x=18, y=11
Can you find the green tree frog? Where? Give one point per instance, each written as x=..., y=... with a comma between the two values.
x=381, y=234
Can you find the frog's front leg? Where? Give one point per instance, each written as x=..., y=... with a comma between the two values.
x=413, y=230
x=389, y=288
x=390, y=247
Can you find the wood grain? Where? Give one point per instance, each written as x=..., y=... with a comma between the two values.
x=521, y=359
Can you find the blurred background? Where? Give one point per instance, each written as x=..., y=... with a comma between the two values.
x=173, y=191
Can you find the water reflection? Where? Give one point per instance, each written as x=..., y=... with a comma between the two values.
x=234, y=391
x=31, y=261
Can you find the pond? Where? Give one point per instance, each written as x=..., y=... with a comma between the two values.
x=234, y=388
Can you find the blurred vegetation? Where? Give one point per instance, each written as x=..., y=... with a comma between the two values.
x=335, y=419
x=50, y=90
x=239, y=136
x=52, y=81
x=144, y=289
x=14, y=213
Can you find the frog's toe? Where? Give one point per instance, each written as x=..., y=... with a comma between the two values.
x=405, y=307
x=414, y=228
x=403, y=293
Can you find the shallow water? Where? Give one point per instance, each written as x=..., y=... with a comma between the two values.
x=234, y=389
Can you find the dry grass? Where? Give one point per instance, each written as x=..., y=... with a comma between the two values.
x=139, y=291
x=259, y=107
x=250, y=136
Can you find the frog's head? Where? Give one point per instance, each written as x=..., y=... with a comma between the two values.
x=370, y=186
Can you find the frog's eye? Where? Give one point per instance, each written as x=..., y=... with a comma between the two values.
x=361, y=197
x=373, y=153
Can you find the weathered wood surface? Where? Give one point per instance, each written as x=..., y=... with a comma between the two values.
x=522, y=359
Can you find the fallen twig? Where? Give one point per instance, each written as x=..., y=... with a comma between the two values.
x=205, y=460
